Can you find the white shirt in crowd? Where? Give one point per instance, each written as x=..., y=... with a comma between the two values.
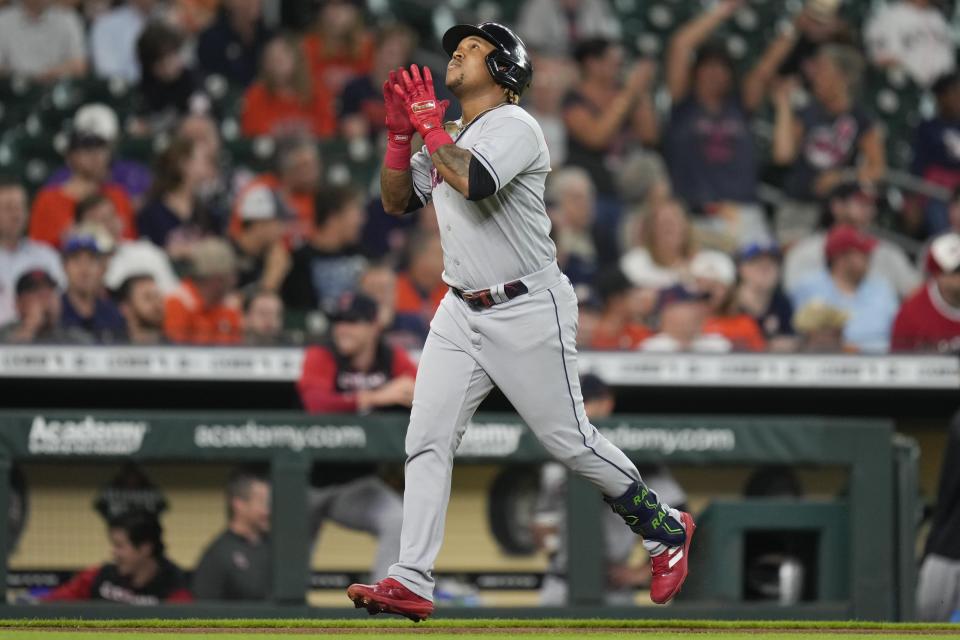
x=28, y=255
x=706, y=343
x=916, y=38
x=113, y=43
x=545, y=26
x=638, y=265
x=31, y=46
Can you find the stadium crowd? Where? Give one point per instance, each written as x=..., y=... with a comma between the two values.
x=700, y=200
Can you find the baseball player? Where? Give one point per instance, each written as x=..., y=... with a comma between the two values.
x=510, y=317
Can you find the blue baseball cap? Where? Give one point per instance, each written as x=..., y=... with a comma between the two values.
x=758, y=249
x=92, y=240
x=679, y=293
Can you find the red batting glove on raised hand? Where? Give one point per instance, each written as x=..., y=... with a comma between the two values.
x=399, y=128
x=422, y=107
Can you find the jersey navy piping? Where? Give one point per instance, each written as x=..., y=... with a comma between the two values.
x=486, y=163
x=573, y=404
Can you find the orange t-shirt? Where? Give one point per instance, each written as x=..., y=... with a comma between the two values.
x=53, y=213
x=265, y=113
x=302, y=206
x=335, y=71
x=409, y=299
x=186, y=320
x=741, y=330
x=628, y=339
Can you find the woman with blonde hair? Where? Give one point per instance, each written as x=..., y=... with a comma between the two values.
x=661, y=248
x=284, y=99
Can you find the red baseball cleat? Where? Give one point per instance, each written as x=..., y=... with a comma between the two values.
x=669, y=569
x=389, y=596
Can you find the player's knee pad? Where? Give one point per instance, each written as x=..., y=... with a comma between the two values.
x=647, y=516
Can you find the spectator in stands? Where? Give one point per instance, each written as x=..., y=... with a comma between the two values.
x=821, y=328
x=19, y=254
x=618, y=327
x=238, y=564
x=129, y=257
x=140, y=574
x=936, y=157
x=544, y=101
x=37, y=309
x=284, y=99
x=853, y=205
x=361, y=105
x=339, y=48
x=113, y=39
x=929, y=320
x=708, y=144
x=914, y=36
x=141, y=303
x=662, y=249
x=832, y=135
x=379, y=282
x=937, y=599
x=42, y=41
x=168, y=87
x=85, y=304
x=172, y=218
x=556, y=26
x=760, y=295
x=100, y=120
x=262, y=255
x=297, y=179
x=330, y=264
x=263, y=318
x=870, y=302
x=231, y=47
x=357, y=372
x=419, y=287
x=715, y=273
x=683, y=312
x=199, y=312
x=549, y=526
x=54, y=208
x=603, y=117
x=572, y=195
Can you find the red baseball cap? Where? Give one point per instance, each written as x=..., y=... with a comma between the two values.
x=844, y=237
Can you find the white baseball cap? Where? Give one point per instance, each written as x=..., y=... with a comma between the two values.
x=713, y=265
x=260, y=203
x=945, y=253
x=98, y=120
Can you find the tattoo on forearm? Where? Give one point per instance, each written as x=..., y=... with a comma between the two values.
x=396, y=187
x=453, y=158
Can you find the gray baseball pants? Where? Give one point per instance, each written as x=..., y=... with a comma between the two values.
x=527, y=348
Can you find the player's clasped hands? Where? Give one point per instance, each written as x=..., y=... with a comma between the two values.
x=414, y=92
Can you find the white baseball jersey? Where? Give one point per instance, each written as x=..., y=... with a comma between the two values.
x=507, y=235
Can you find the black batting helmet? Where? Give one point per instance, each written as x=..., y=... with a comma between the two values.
x=509, y=63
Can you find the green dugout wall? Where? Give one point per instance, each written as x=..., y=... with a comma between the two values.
x=879, y=508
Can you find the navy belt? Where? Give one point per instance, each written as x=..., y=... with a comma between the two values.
x=484, y=299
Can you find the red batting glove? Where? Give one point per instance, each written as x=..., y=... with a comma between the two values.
x=423, y=110
x=399, y=128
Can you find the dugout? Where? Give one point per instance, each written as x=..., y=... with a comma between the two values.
x=876, y=587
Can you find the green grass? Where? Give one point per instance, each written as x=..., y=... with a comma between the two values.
x=398, y=629
x=556, y=635
x=479, y=624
